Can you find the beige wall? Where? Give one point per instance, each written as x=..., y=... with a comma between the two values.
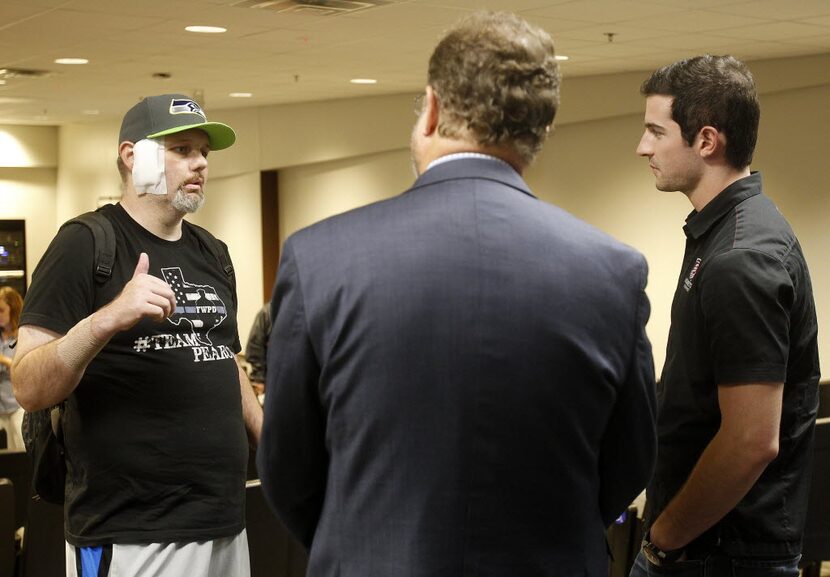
x=28, y=146
x=28, y=183
x=87, y=172
x=334, y=156
x=232, y=214
x=29, y=194
x=309, y=193
x=590, y=169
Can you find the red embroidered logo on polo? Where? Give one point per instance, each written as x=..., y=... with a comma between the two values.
x=687, y=284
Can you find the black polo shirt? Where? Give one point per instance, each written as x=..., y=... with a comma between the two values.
x=743, y=312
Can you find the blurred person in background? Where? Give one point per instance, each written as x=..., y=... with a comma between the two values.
x=11, y=415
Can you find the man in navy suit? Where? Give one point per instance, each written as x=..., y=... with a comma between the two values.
x=459, y=380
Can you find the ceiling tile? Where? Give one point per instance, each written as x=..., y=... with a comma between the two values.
x=284, y=57
x=605, y=11
x=622, y=33
x=822, y=41
x=778, y=31
x=778, y=9
x=699, y=21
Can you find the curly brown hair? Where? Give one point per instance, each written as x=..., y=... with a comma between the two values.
x=497, y=82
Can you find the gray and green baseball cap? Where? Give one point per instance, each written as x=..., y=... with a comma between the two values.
x=165, y=114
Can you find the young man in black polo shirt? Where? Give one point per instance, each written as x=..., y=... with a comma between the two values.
x=738, y=393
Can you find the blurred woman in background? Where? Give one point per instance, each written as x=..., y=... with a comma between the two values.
x=11, y=415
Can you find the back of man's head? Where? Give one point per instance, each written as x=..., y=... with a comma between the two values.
x=716, y=91
x=497, y=82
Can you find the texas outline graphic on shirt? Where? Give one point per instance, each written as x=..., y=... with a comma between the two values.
x=198, y=305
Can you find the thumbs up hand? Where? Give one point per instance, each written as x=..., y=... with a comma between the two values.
x=144, y=296
x=143, y=265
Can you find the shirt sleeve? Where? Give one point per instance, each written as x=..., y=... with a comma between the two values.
x=62, y=290
x=746, y=297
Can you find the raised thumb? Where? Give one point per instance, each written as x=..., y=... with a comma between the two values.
x=143, y=265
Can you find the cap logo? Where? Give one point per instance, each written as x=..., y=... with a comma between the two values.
x=184, y=106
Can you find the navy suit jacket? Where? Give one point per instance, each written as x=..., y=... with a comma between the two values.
x=459, y=383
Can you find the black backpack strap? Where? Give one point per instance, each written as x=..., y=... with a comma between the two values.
x=218, y=249
x=104, y=241
x=43, y=430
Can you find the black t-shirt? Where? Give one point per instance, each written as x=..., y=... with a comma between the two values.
x=155, y=440
x=743, y=312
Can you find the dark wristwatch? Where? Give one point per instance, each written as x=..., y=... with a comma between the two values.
x=657, y=556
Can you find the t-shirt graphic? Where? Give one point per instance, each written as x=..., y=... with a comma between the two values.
x=198, y=305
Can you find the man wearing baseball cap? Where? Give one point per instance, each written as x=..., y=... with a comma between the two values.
x=156, y=406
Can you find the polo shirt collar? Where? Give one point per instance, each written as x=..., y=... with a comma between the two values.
x=698, y=223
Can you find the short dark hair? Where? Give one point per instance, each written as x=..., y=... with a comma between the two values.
x=497, y=81
x=716, y=91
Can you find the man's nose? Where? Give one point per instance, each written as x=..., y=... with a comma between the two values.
x=200, y=161
x=644, y=147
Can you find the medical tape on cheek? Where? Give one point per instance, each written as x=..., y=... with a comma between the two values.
x=148, y=167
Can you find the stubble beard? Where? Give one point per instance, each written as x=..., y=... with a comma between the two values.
x=187, y=202
x=676, y=184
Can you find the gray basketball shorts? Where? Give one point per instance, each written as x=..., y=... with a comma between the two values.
x=226, y=557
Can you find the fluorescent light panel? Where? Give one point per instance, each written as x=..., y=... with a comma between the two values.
x=206, y=29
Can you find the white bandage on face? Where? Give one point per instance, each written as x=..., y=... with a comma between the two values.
x=148, y=167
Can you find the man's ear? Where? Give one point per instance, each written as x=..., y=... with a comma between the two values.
x=711, y=142
x=125, y=151
x=432, y=111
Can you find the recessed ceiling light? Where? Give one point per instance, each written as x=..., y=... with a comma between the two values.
x=92, y=112
x=206, y=29
x=240, y=94
x=363, y=81
x=71, y=61
x=562, y=57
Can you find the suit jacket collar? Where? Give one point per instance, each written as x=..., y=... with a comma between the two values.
x=467, y=168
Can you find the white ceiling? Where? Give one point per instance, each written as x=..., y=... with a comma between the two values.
x=304, y=55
